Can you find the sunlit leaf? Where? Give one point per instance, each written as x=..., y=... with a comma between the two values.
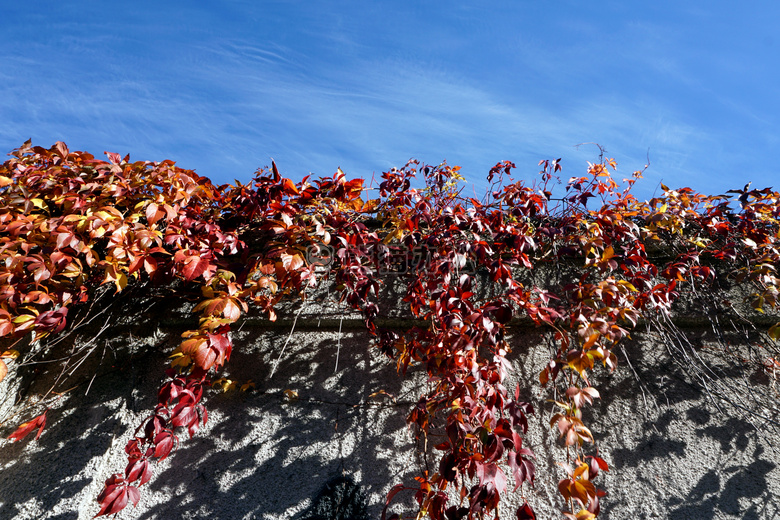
x=25, y=429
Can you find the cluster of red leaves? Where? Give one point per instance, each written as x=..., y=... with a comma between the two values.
x=178, y=407
x=71, y=223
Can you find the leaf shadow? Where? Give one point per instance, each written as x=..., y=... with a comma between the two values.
x=267, y=456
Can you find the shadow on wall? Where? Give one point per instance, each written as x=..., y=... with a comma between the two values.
x=696, y=458
x=334, y=451
x=269, y=456
x=340, y=499
x=710, y=496
x=261, y=455
x=54, y=477
x=40, y=480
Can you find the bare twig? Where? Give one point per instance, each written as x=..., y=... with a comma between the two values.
x=279, y=359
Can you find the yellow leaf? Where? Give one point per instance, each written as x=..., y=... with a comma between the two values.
x=774, y=331
x=11, y=354
x=370, y=206
x=225, y=384
x=395, y=234
x=181, y=360
x=23, y=318
x=121, y=282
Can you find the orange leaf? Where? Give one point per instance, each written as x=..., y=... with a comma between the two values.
x=152, y=213
x=579, y=491
x=591, y=341
x=232, y=310
x=205, y=358
x=289, y=187
x=292, y=263
x=584, y=514
x=194, y=265
x=193, y=345
x=544, y=376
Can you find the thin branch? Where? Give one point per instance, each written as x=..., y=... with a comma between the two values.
x=279, y=359
x=338, y=346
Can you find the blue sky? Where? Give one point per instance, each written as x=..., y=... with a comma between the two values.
x=223, y=87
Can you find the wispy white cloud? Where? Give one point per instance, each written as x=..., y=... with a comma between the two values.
x=226, y=103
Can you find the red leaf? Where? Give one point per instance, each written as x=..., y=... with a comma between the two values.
x=113, y=157
x=393, y=492
x=596, y=464
x=62, y=149
x=205, y=358
x=113, y=498
x=525, y=512
x=194, y=267
x=291, y=263
x=503, y=429
x=491, y=474
x=138, y=469
x=163, y=444
x=594, y=506
x=522, y=469
x=494, y=448
x=52, y=321
x=24, y=429
x=133, y=494
x=183, y=415
x=230, y=309
x=220, y=343
x=193, y=426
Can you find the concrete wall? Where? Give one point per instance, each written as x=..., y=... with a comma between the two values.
x=673, y=452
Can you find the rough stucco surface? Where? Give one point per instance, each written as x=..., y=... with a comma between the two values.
x=673, y=453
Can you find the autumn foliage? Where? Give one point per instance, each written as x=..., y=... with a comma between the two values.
x=75, y=230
